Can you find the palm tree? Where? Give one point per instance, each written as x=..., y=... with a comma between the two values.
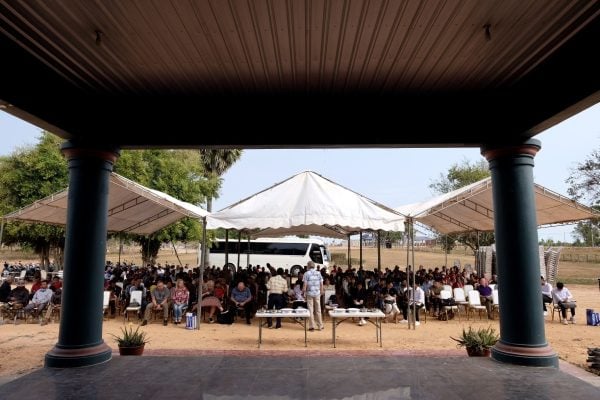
x=216, y=162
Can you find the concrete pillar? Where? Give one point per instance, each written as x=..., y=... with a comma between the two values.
x=522, y=334
x=80, y=334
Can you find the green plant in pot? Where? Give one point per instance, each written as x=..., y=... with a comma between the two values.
x=131, y=342
x=477, y=342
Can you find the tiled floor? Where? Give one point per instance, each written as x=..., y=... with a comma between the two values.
x=274, y=375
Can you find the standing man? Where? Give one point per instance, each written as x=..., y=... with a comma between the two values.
x=313, y=288
x=546, y=295
x=277, y=286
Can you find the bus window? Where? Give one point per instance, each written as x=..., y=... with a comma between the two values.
x=315, y=254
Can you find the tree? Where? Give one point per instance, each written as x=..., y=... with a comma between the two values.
x=27, y=175
x=584, y=180
x=216, y=162
x=32, y=173
x=460, y=175
x=587, y=232
x=179, y=173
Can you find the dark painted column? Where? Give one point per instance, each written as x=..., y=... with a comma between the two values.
x=80, y=335
x=522, y=335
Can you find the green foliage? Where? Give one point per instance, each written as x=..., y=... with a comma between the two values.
x=216, y=162
x=131, y=338
x=587, y=233
x=584, y=180
x=29, y=174
x=460, y=175
x=480, y=339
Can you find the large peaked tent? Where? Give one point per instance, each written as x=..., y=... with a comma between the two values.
x=132, y=208
x=307, y=203
x=471, y=208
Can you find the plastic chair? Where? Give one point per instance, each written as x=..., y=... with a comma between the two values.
x=136, y=296
x=444, y=295
x=475, y=303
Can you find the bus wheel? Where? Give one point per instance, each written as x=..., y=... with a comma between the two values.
x=295, y=270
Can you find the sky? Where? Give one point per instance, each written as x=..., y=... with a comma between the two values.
x=393, y=177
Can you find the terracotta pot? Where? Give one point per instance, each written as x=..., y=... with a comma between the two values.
x=131, y=351
x=472, y=352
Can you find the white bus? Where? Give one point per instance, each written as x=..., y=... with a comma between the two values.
x=279, y=252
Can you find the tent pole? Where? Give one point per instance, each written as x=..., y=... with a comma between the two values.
x=248, y=252
x=226, y=246
x=379, y=250
x=239, y=249
x=120, y=247
x=201, y=277
x=446, y=250
x=412, y=241
x=360, y=263
x=349, y=259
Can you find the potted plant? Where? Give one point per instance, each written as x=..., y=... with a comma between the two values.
x=477, y=342
x=132, y=342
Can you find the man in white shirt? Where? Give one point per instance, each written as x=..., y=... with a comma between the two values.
x=546, y=295
x=564, y=299
x=40, y=299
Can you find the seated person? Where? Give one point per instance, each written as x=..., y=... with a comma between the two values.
x=435, y=297
x=485, y=295
x=160, y=301
x=56, y=283
x=5, y=289
x=54, y=304
x=359, y=299
x=297, y=296
x=563, y=297
x=180, y=297
x=209, y=300
x=390, y=305
x=546, y=295
x=417, y=300
x=41, y=298
x=242, y=299
x=19, y=296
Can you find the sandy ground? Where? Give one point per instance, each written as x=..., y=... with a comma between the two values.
x=23, y=346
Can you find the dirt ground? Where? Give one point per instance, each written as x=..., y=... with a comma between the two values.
x=23, y=346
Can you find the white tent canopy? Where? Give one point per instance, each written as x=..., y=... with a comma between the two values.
x=132, y=208
x=471, y=208
x=307, y=200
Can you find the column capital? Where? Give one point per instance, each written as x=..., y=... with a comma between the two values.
x=494, y=151
x=105, y=152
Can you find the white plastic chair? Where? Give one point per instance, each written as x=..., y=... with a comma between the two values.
x=136, y=296
x=444, y=295
x=460, y=298
x=495, y=302
x=475, y=303
x=105, y=301
x=467, y=289
x=447, y=287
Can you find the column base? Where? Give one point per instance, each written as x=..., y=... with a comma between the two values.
x=61, y=357
x=542, y=356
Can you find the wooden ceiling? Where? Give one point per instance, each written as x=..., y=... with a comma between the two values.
x=120, y=70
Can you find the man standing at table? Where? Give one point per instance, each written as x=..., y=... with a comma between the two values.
x=313, y=287
x=277, y=286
